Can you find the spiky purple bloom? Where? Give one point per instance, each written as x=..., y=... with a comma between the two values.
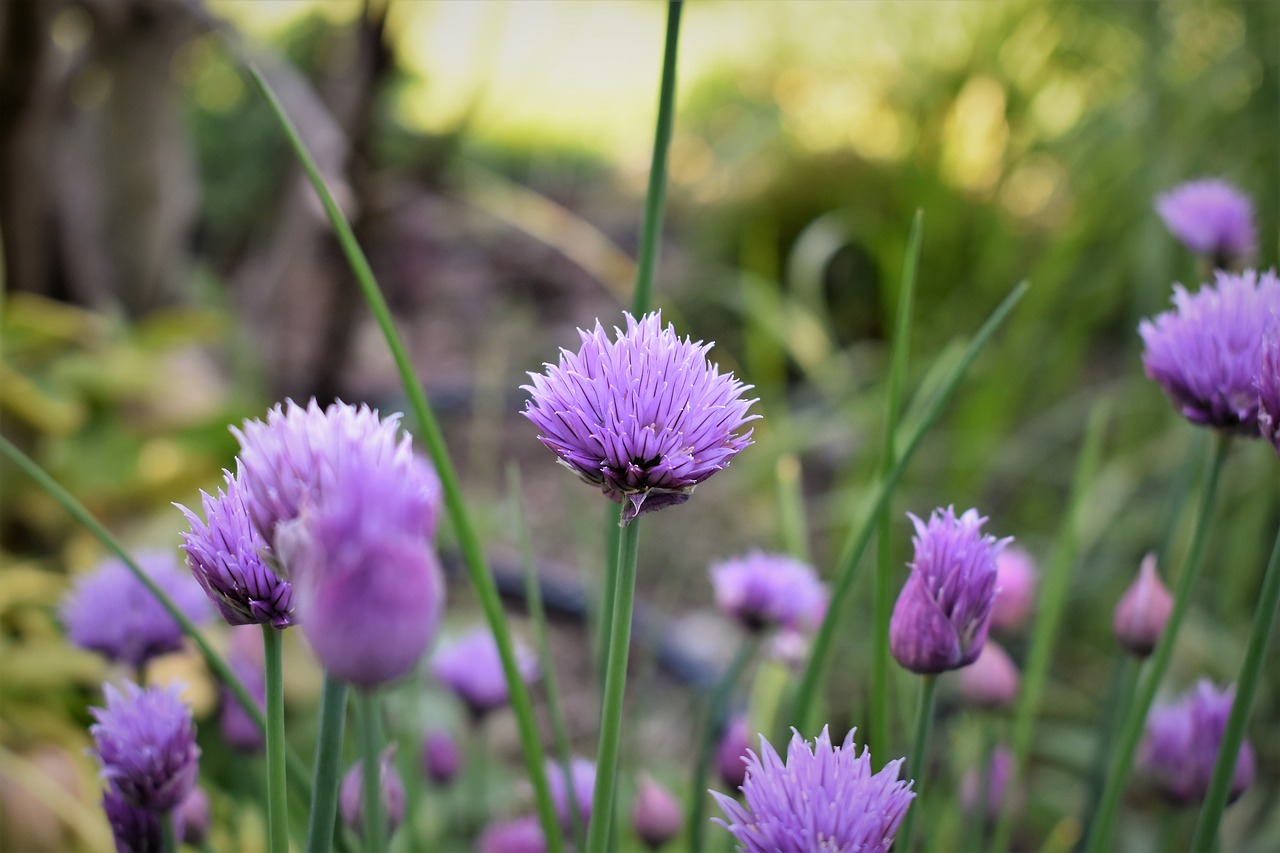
x=942, y=615
x=228, y=557
x=146, y=743
x=471, y=667
x=134, y=830
x=824, y=798
x=245, y=657
x=1210, y=217
x=351, y=799
x=1267, y=384
x=766, y=590
x=1181, y=745
x=110, y=611
x=582, y=776
x=522, y=835
x=644, y=417
x=1206, y=352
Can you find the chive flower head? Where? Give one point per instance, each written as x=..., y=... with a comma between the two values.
x=766, y=590
x=146, y=743
x=1181, y=744
x=1210, y=217
x=471, y=667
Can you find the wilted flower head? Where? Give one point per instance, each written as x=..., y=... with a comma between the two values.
x=440, y=757
x=1207, y=351
x=471, y=667
x=227, y=556
x=1210, y=217
x=1181, y=745
x=110, y=611
x=997, y=778
x=1267, y=384
x=146, y=743
x=1139, y=617
x=645, y=417
x=582, y=778
x=942, y=615
x=134, y=830
x=1015, y=589
x=733, y=750
x=656, y=816
x=991, y=681
x=523, y=835
x=245, y=657
x=351, y=796
x=824, y=798
x=766, y=590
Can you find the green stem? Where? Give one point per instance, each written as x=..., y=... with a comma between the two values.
x=1119, y=698
x=715, y=715
x=851, y=555
x=297, y=770
x=977, y=820
x=883, y=593
x=604, y=617
x=1264, y=619
x=373, y=823
x=277, y=803
x=615, y=683
x=924, y=725
x=328, y=774
x=655, y=198
x=168, y=838
x=1131, y=733
x=468, y=541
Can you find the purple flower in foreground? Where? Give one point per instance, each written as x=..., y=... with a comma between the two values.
x=582, y=776
x=1267, y=384
x=134, y=830
x=146, y=743
x=351, y=797
x=227, y=558
x=824, y=798
x=471, y=668
x=1181, y=745
x=1206, y=352
x=763, y=590
x=523, y=835
x=1210, y=217
x=942, y=615
x=645, y=417
x=111, y=612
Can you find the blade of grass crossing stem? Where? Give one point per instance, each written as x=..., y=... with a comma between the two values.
x=1264, y=619
x=323, y=814
x=1131, y=732
x=538, y=616
x=297, y=770
x=884, y=555
x=1051, y=604
x=851, y=555
x=468, y=541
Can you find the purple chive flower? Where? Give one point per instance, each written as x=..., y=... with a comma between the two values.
x=281, y=461
x=942, y=615
x=582, y=776
x=1210, y=217
x=1267, y=384
x=991, y=681
x=471, y=668
x=522, y=835
x=245, y=657
x=227, y=556
x=824, y=798
x=1181, y=745
x=351, y=796
x=657, y=815
x=1206, y=352
x=1015, y=589
x=146, y=743
x=110, y=611
x=971, y=785
x=763, y=590
x=733, y=750
x=191, y=818
x=645, y=417
x=1140, y=615
x=440, y=758
x=134, y=830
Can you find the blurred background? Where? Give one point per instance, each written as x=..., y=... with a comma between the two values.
x=167, y=272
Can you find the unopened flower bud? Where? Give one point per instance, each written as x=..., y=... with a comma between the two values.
x=731, y=753
x=1015, y=589
x=191, y=818
x=1142, y=611
x=441, y=757
x=657, y=816
x=991, y=681
x=351, y=797
x=997, y=778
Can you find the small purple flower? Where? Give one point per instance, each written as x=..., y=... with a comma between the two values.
x=146, y=743
x=522, y=835
x=1181, y=745
x=111, y=612
x=998, y=778
x=644, y=417
x=351, y=797
x=134, y=830
x=1206, y=352
x=763, y=590
x=471, y=667
x=824, y=798
x=227, y=556
x=942, y=615
x=582, y=776
x=1015, y=589
x=657, y=815
x=733, y=750
x=440, y=758
x=1267, y=384
x=1139, y=617
x=245, y=657
x=191, y=818
x=991, y=681
x=1210, y=217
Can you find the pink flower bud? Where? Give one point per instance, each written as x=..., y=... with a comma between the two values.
x=1142, y=611
x=991, y=681
x=1015, y=589
x=351, y=796
x=441, y=757
x=657, y=815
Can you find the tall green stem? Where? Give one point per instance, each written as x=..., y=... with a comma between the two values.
x=924, y=725
x=615, y=684
x=373, y=822
x=1224, y=769
x=468, y=540
x=277, y=804
x=883, y=593
x=851, y=555
x=1122, y=760
x=1119, y=698
x=977, y=820
x=328, y=765
x=715, y=715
